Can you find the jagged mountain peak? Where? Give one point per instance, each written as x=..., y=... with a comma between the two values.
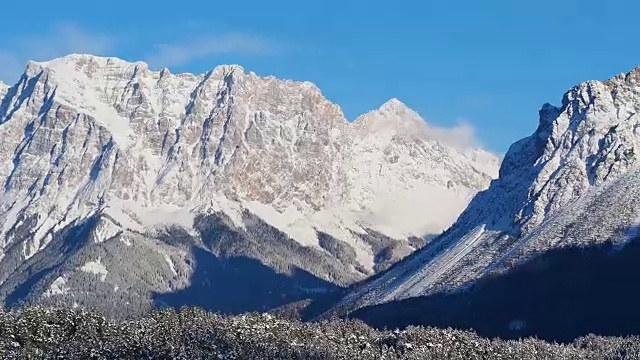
x=82, y=61
x=393, y=109
x=395, y=143
x=122, y=97
x=586, y=142
x=394, y=105
x=196, y=118
x=395, y=121
x=573, y=182
x=88, y=63
x=84, y=68
x=634, y=75
x=149, y=150
x=630, y=77
x=393, y=118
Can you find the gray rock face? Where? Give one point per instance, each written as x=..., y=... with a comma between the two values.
x=118, y=153
x=573, y=182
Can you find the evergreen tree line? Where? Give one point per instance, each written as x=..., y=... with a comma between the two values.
x=192, y=333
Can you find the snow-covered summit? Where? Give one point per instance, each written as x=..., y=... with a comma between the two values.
x=89, y=136
x=92, y=63
x=394, y=106
x=572, y=182
x=277, y=142
x=391, y=117
x=81, y=60
x=403, y=171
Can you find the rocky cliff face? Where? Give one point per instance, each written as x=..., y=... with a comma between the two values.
x=573, y=182
x=99, y=151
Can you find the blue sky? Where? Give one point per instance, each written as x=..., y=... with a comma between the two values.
x=487, y=64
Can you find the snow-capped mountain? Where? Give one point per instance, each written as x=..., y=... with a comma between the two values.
x=118, y=173
x=397, y=172
x=573, y=182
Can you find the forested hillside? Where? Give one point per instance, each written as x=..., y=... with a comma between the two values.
x=40, y=333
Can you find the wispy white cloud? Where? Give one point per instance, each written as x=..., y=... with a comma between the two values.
x=61, y=39
x=461, y=135
x=69, y=38
x=177, y=54
x=66, y=38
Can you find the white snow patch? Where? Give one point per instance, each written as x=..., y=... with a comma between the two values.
x=10, y=217
x=57, y=287
x=29, y=249
x=126, y=240
x=291, y=222
x=341, y=225
x=105, y=230
x=304, y=228
x=167, y=258
x=167, y=214
x=428, y=209
x=138, y=218
x=37, y=242
x=76, y=90
x=127, y=218
x=96, y=268
x=233, y=209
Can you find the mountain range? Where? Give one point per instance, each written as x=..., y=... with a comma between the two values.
x=126, y=188
x=550, y=243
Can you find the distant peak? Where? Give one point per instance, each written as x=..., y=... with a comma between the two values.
x=393, y=104
x=230, y=67
x=87, y=61
x=85, y=58
x=394, y=110
x=393, y=117
x=225, y=70
x=634, y=75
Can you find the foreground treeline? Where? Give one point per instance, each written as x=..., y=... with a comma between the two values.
x=40, y=333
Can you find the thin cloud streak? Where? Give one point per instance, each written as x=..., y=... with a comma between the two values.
x=60, y=40
x=462, y=135
x=179, y=54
